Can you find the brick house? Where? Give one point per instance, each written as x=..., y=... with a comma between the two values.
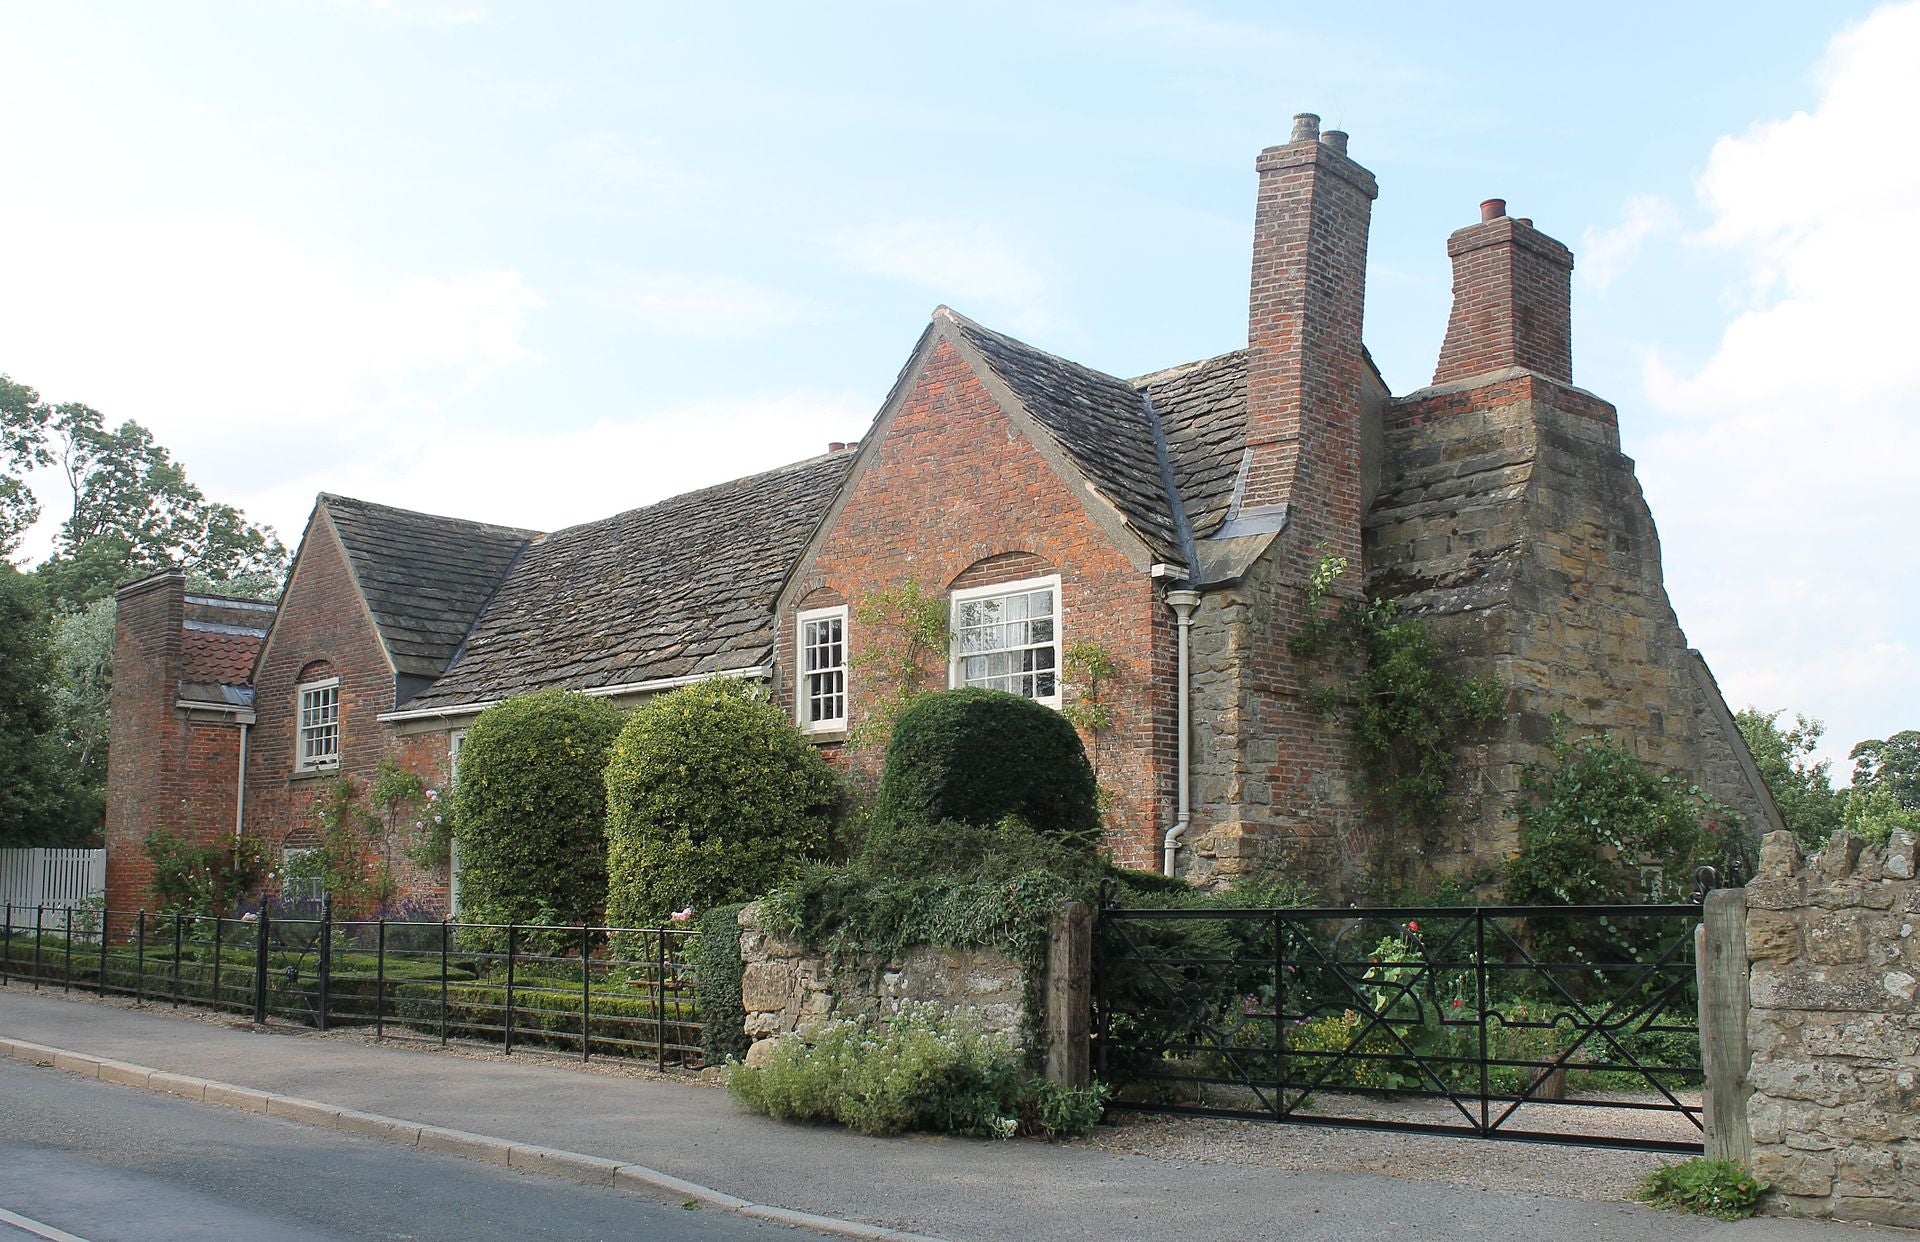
x=1169, y=521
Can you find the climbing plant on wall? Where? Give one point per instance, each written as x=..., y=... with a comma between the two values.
x=1408, y=712
x=902, y=655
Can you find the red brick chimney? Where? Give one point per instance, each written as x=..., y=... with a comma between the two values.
x=1305, y=364
x=1512, y=300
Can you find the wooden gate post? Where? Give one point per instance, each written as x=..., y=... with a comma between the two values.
x=1069, y=995
x=1720, y=957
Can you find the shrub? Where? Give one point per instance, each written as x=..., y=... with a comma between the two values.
x=979, y=756
x=717, y=974
x=530, y=809
x=712, y=796
x=1711, y=1187
x=202, y=879
x=1601, y=813
x=922, y=1069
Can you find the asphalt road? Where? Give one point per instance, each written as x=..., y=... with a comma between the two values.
x=106, y=1162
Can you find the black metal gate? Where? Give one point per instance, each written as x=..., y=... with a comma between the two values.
x=1550, y=1024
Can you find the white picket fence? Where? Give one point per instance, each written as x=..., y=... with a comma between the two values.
x=52, y=877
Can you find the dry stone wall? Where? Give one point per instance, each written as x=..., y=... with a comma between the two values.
x=787, y=986
x=1834, y=1028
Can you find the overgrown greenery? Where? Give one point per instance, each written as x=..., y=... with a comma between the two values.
x=902, y=654
x=712, y=796
x=922, y=1069
x=979, y=756
x=1717, y=1188
x=717, y=975
x=1600, y=815
x=202, y=879
x=344, y=859
x=530, y=809
x=1408, y=713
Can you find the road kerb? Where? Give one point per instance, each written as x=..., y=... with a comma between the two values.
x=529, y=1157
x=572, y=1165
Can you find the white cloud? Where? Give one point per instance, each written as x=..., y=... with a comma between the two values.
x=1785, y=480
x=713, y=306
x=959, y=261
x=246, y=353
x=545, y=478
x=1606, y=253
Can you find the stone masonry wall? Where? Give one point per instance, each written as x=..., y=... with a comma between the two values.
x=1509, y=519
x=1834, y=1028
x=787, y=986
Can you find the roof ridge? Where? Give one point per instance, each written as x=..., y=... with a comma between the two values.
x=1031, y=348
x=335, y=498
x=1182, y=368
x=744, y=479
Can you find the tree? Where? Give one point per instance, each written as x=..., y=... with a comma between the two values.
x=1801, y=787
x=35, y=794
x=1892, y=764
x=133, y=511
x=23, y=445
x=81, y=688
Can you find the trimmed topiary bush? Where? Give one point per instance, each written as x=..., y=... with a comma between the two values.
x=712, y=796
x=979, y=756
x=530, y=809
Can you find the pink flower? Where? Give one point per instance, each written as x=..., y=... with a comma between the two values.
x=681, y=916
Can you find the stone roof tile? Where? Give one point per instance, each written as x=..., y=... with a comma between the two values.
x=425, y=578
x=679, y=588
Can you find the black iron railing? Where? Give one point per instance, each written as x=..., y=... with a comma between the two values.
x=620, y=991
x=1547, y=1023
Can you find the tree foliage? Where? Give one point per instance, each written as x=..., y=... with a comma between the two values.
x=1891, y=764
x=35, y=793
x=530, y=809
x=712, y=797
x=1801, y=787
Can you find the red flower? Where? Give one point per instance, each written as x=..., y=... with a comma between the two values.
x=1412, y=926
x=1456, y=1002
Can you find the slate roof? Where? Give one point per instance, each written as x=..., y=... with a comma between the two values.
x=425, y=578
x=1103, y=424
x=1203, y=412
x=679, y=588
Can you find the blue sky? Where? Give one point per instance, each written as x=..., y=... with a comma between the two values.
x=539, y=263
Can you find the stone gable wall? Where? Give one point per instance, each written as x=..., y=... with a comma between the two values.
x=1834, y=1028
x=1511, y=522
x=786, y=986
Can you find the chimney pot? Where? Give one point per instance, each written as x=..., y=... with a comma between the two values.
x=1337, y=139
x=1526, y=220
x=1492, y=209
x=834, y=446
x=1306, y=127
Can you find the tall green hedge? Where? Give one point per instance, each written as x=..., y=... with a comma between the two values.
x=530, y=809
x=712, y=795
x=718, y=972
x=978, y=756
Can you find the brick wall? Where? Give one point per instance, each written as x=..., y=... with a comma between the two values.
x=951, y=485
x=324, y=628
x=1512, y=301
x=170, y=770
x=1833, y=1028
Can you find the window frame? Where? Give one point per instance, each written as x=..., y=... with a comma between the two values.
x=1018, y=586
x=303, y=762
x=802, y=694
